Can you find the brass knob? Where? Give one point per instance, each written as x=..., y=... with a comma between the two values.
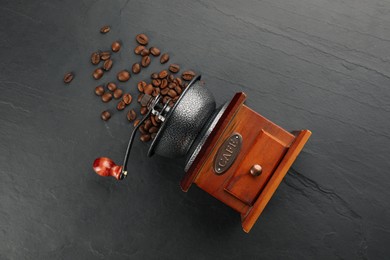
x=256, y=170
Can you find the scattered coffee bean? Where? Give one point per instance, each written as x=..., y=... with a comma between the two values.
x=131, y=115
x=154, y=122
x=115, y=46
x=165, y=99
x=136, y=68
x=98, y=73
x=156, y=82
x=99, y=90
x=178, y=81
x=172, y=93
x=145, y=61
x=145, y=52
x=105, y=29
x=142, y=39
x=121, y=105
x=147, y=124
x=136, y=122
x=164, y=91
x=140, y=97
x=153, y=135
x=148, y=89
x=164, y=83
x=154, y=76
x=105, y=55
x=106, y=97
x=144, y=110
x=107, y=65
x=118, y=93
x=164, y=58
x=163, y=74
x=127, y=98
x=153, y=129
x=178, y=90
x=145, y=138
x=139, y=49
x=95, y=58
x=154, y=51
x=111, y=86
x=174, y=68
x=156, y=91
x=176, y=98
x=171, y=78
x=123, y=75
x=188, y=75
x=68, y=77
x=105, y=115
x=172, y=85
x=142, y=129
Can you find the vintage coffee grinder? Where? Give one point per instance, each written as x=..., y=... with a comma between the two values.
x=233, y=153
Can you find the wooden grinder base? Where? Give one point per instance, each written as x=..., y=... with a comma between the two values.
x=263, y=143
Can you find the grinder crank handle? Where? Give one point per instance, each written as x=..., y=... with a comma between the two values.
x=104, y=166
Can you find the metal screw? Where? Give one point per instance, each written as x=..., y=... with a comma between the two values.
x=256, y=170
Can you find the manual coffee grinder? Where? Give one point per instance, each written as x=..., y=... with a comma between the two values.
x=232, y=152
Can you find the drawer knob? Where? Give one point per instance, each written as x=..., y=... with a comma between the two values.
x=256, y=170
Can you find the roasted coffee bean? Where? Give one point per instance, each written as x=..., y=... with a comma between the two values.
x=121, y=105
x=154, y=122
x=127, y=98
x=131, y=115
x=105, y=115
x=142, y=39
x=156, y=91
x=171, y=103
x=95, y=58
x=178, y=90
x=107, y=65
x=145, y=61
x=154, y=51
x=171, y=78
x=156, y=82
x=178, y=81
x=172, y=93
x=115, y=46
x=145, y=138
x=123, y=75
x=144, y=110
x=136, y=68
x=165, y=99
x=118, y=93
x=99, y=90
x=172, y=85
x=164, y=58
x=153, y=135
x=175, y=98
x=139, y=49
x=164, y=83
x=142, y=129
x=185, y=85
x=188, y=75
x=106, y=97
x=98, y=73
x=68, y=77
x=153, y=129
x=140, y=97
x=141, y=85
x=174, y=68
x=148, y=89
x=163, y=74
x=154, y=75
x=105, y=29
x=111, y=86
x=147, y=124
x=105, y=55
x=164, y=91
x=136, y=122
x=145, y=52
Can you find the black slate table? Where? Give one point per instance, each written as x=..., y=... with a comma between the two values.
x=320, y=65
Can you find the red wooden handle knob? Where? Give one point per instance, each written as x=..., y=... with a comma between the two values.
x=106, y=167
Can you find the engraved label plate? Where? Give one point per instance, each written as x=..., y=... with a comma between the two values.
x=227, y=153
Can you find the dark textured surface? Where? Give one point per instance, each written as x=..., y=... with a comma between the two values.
x=319, y=64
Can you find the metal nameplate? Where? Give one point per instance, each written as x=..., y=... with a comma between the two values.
x=227, y=153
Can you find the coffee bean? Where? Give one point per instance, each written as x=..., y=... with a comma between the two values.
x=171, y=103
x=98, y=73
x=154, y=51
x=178, y=90
x=105, y=55
x=172, y=85
x=188, y=75
x=115, y=46
x=140, y=97
x=164, y=58
x=175, y=98
x=123, y=75
x=165, y=99
x=147, y=124
x=163, y=74
x=153, y=135
x=145, y=61
x=156, y=82
x=153, y=129
x=178, y=81
x=107, y=65
x=95, y=58
x=142, y=39
x=105, y=115
x=141, y=85
x=127, y=98
x=145, y=138
x=118, y=93
x=139, y=49
x=154, y=76
x=106, y=97
x=121, y=105
x=144, y=110
x=148, y=89
x=136, y=68
x=145, y=52
x=99, y=90
x=185, y=85
x=105, y=29
x=131, y=115
x=142, y=129
x=156, y=91
x=172, y=93
x=68, y=77
x=136, y=122
x=174, y=68
x=164, y=91
x=111, y=86
x=164, y=83
x=171, y=78
x=154, y=122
